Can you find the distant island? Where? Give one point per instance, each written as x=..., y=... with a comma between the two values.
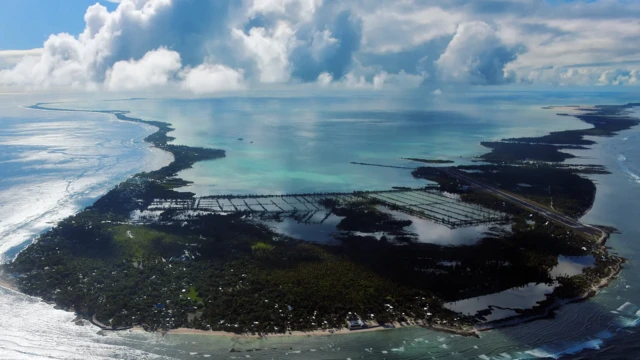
x=430, y=161
x=145, y=255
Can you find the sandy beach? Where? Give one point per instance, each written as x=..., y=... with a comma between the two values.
x=320, y=332
x=8, y=284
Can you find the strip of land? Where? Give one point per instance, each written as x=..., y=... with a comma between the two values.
x=529, y=204
x=173, y=268
x=525, y=177
x=430, y=161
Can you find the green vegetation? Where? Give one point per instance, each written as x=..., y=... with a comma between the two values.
x=593, y=117
x=507, y=152
x=430, y=161
x=83, y=265
x=557, y=188
x=193, y=295
x=527, y=166
x=136, y=242
x=364, y=217
x=236, y=277
x=261, y=246
x=606, y=121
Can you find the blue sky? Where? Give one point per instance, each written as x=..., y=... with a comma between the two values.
x=26, y=24
x=202, y=47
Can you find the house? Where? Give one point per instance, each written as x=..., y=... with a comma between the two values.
x=356, y=324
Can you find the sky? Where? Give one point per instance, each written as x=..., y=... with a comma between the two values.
x=51, y=17
x=204, y=47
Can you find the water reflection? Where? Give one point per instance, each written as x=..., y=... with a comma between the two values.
x=503, y=304
x=319, y=227
x=293, y=145
x=429, y=232
x=571, y=265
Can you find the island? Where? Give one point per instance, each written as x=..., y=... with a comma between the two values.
x=430, y=161
x=145, y=255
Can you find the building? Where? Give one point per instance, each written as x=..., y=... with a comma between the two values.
x=356, y=324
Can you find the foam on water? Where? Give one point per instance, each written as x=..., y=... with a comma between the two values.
x=52, y=165
x=55, y=164
x=32, y=329
x=621, y=163
x=593, y=344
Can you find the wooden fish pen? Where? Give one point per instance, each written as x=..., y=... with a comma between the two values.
x=428, y=204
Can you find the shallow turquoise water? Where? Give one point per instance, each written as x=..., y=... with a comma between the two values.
x=307, y=144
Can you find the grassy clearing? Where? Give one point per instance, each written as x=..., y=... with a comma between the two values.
x=138, y=242
x=193, y=295
x=261, y=246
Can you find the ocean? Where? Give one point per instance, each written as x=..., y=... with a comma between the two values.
x=55, y=163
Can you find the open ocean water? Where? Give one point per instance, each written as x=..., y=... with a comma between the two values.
x=54, y=163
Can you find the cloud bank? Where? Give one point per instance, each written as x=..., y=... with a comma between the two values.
x=211, y=46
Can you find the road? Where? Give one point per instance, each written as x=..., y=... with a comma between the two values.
x=528, y=204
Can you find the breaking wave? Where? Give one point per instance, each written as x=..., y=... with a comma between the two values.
x=621, y=161
x=52, y=165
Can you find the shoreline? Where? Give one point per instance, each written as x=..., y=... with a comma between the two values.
x=9, y=285
x=545, y=311
x=159, y=139
x=320, y=332
x=473, y=331
x=143, y=123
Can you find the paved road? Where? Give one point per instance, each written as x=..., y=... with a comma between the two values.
x=527, y=204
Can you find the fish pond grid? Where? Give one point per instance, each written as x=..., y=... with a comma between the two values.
x=428, y=204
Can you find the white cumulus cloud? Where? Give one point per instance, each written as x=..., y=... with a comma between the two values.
x=620, y=77
x=240, y=44
x=475, y=55
x=10, y=58
x=81, y=61
x=270, y=49
x=211, y=78
x=324, y=79
x=156, y=68
x=363, y=80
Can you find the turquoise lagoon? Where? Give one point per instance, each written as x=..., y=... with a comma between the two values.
x=293, y=145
